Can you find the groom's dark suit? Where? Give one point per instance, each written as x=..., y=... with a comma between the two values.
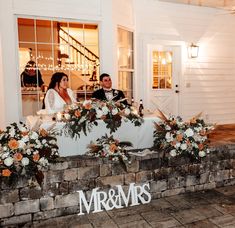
x=117, y=95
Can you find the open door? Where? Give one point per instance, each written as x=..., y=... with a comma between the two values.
x=164, y=70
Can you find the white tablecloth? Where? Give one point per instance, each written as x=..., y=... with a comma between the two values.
x=141, y=137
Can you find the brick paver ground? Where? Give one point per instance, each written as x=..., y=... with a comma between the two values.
x=205, y=209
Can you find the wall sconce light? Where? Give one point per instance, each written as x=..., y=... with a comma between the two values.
x=193, y=51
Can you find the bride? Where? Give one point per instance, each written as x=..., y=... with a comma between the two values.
x=58, y=94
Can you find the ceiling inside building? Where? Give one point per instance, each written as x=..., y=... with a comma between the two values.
x=222, y=4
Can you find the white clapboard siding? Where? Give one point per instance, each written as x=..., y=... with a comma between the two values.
x=68, y=9
x=208, y=82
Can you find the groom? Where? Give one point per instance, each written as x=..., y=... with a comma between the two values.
x=107, y=93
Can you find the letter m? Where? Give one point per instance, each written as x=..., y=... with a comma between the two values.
x=83, y=201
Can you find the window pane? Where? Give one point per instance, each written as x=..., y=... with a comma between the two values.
x=26, y=31
x=125, y=83
x=44, y=31
x=125, y=62
x=162, y=69
x=125, y=49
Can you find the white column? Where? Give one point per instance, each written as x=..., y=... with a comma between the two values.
x=107, y=37
x=9, y=76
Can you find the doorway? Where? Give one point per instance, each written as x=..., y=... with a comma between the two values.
x=164, y=67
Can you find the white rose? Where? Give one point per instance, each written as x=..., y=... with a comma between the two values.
x=183, y=146
x=173, y=153
x=53, y=141
x=43, y=161
x=12, y=132
x=8, y=161
x=34, y=135
x=22, y=129
x=169, y=137
x=28, y=151
x=114, y=111
x=74, y=106
x=127, y=111
x=167, y=127
x=82, y=119
x=44, y=141
x=25, y=161
x=21, y=144
x=66, y=116
x=202, y=154
x=105, y=110
x=25, y=138
x=195, y=145
x=4, y=148
x=177, y=145
x=5, y=155
x=99, y=113
x=189, y=132
x=197, y=137
x=86, y=102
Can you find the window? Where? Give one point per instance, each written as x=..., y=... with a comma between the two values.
x=125, y=62
x=49, y=46
x=162, y=69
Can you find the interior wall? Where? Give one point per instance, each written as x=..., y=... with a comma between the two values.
x=207, y=83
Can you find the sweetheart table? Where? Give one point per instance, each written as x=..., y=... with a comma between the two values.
x=141, y=137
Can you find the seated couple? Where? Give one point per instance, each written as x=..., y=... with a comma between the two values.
x=58, y=94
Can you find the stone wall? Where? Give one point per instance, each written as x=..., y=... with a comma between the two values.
x=58, y=196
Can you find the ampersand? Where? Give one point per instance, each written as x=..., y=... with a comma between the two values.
x=112, y=200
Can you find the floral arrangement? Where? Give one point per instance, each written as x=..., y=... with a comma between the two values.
x=84, y=115
x=108, y=147
x=24, y=152
x=176, y=137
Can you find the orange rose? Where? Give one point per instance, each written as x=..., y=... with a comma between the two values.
x=77, y=113
x=173, y=122
x=193, y=121
x=36, y=157
x=24, y=133
x=13, y=144
x=112, y=147
x=88, y=106
x=179, y=137
x=202, y=132
x=200, y=146
x=18, y=156
x=6, y=172
x=43, y=132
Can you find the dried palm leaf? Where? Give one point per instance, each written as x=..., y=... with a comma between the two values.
x=198, y=115
x=162, y=116
x=158, y=127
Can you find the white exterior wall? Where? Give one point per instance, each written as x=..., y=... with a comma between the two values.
x=207, y=83
x=98, y=11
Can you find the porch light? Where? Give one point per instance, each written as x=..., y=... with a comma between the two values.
x=193, y=51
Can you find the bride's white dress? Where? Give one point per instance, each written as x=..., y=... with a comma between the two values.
x=54, y=102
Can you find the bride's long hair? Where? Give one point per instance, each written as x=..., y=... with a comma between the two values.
x=56, y=79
